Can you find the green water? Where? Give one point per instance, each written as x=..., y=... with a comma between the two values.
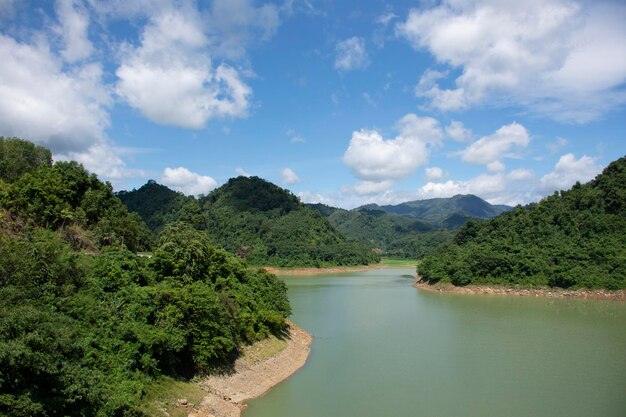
x=384, y=349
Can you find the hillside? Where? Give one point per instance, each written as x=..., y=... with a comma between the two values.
x=574, y=238
x=155, y=203
x=255, y=220
x=88, y=332
x=412, y=229
x=448, y=212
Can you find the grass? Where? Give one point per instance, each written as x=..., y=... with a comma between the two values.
x=161, y=395
x=398, y=263
x=262, y=350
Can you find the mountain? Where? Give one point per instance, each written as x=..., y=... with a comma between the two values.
x=155, y=203
x=256, y=220
x=574, y=238
x=444, y=211
x=412, y=229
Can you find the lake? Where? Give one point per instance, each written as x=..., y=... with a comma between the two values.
x=385, y=349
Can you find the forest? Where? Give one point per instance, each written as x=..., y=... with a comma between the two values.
x=86, y=325
x=254, y=219
x=410, y=230
x=570, y=239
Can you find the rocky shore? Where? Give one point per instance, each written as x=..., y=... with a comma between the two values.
x=522, y=292
x=252, y=377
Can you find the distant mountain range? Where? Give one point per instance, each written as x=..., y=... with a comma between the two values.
x=450, y=212
x=411, y=229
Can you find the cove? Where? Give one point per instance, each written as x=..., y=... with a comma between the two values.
x=383, y=348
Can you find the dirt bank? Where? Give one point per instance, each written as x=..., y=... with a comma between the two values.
x=523, y=292
x=300, y=272
x=253, y=376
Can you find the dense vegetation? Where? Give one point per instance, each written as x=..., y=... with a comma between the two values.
x=393, y=235
x=410, y=230
x=574, y=238
x=449, y=213
x=156, y=204
x=255, y=220
x=84, y=332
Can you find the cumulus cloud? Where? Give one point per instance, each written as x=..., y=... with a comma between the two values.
x=170, y=79
x=488, y=150
x=557, y=57
x=186, y=181
x=289, y=177
x=567, y=171
x=351, y=54
x=434, y=173
x=373, y=158
x=496, y=188
x=314, y=198
x=64, y=109
x=457, y=131
x=520, y=186
x=74, y=22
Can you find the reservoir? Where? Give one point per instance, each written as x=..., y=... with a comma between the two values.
x=385, y=349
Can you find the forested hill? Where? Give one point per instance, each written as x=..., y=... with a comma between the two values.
x=86, y=325
x=412, y=229
x=447, y=212
x=155, y=203
x=574, y=238
x=258, y=221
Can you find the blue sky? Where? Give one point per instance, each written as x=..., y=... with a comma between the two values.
x=340, y=102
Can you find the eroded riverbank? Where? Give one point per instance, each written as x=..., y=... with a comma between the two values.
x=253, y=376
x=619, y=295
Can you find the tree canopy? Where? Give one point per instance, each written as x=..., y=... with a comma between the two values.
x=83, y=332
x=574, y=238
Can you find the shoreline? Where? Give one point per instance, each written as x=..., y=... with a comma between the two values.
x=310, y=271
x=227, y=394
x=619, y=295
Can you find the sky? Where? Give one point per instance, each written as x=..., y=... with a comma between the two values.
x=341, y=102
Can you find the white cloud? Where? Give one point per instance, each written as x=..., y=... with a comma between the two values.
x=297, y=139
x=562, y=58
x=62, y=109
x=234, y=24
x=351, y=54
x=520, y=174
x=373, y=158
x=557, y=145
x=368, y=188
x=567, y=171
x=186, y=181
x=104, y=160
x=496, y=166
x=457, y=131
x=289, y=177
x=170, y=79
x=386, y=18
x=519, y=186
x=74, y=22
x=242, y=172
x=434, y=173
x=488, y=150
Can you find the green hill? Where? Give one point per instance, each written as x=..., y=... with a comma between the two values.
x=409, y=230
x=87, y=333
x=574, y=238
x=256, y=220
x=443, y=211
x=155, y=203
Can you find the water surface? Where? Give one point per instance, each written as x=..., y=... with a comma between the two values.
x=382, y=348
